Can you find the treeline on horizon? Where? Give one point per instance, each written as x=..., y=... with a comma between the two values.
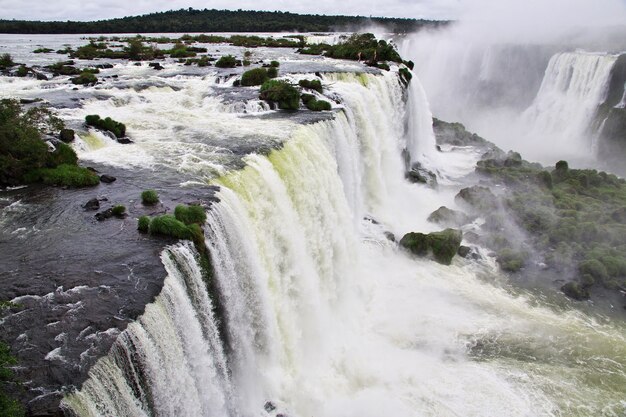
x=191, y=20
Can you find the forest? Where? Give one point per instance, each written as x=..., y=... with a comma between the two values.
x=192, y=20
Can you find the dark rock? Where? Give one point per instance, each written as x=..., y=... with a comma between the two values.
x=464, y=251
x=390, y=236
x=40, y=76
x=574, y=291
x=103, y=215
x=443, y=245
x=107, y=179
x=104, y=66
x=92, y=169
x=124, y=141
x=421, y=175
x=92, y=204
x=478, y=197
x=438, y=148
x=269, y=407
x=156, y=66
x=448, y=217
x=137, y=64
x=619, y=215
x=66, y=135
x=30, y=100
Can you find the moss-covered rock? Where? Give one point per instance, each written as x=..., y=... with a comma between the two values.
x=256, y=76
x=149, y=197
x=168, y=225
x=477, y=197
x=108, y=124
x=575, y=291
x=226, y=61
x=511, y=260
x=441, y=245
x=85, y=78
x=192, y=214
x=312, y=85
x=67, y=135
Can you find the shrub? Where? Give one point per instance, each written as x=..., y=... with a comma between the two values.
x=64, y=175
x=8, y=406
x=85, y=78
x=318, y=105
x=274, y=64
x=190, y=214
x=227, y=61
x=510, y=260
x=405, y=75
x=119, y=210
x=282, y=93
x=168, y=225
x=256, y=76
x=272, y=72
x=143, y=224
x=117, y=128
x=22, y=71
x=595, y=269
x=149, y=197
x=43, y=50
x=307, y=97
x=311, y=84
x=6, y=61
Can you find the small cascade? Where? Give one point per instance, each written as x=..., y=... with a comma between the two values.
x=170, y=362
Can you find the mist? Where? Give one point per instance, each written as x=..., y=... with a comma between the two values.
x=498, y=70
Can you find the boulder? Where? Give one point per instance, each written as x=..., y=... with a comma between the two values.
x=66, y=135
x=448, y=217
x=107, y=179
x=478, y=197
x=155, y=65
x=103, y=215
x=124, y=141
x=92, y=204
x=421, y=175
x=442, y=245
x=464, y=251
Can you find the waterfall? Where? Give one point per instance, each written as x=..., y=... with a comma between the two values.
x=170, y=361
x=320, y=313
x=574, y=86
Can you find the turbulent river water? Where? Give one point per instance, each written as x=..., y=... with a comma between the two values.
x=314, y=310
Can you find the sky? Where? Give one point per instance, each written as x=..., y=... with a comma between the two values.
x=105, y=9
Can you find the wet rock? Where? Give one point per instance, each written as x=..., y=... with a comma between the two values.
x=66, y=135
x=103, y=215
x=442, y=245
x=155, y=65
x=103, y=66
x=269, y=407
x=464, y=251
x=478, y=197
x=92, y=204
x=39, y=76
x=107, y=179
x=448, y=217
x=575, y=291
x=421, y=175
x=390, y=236
x=124, y=141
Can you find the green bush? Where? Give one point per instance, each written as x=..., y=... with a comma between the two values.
x=149, y=197
x=8, y=406
x=510, y=260
x=256, y=76
x=311, y=84
x=272, y=72
x=227, y=61
x=64, y=175
x=119, y=210
x=6, y=61
x=281, y=92
x=143, y=224
x=117, y=128
x=22, y=71
x=85, y=78
x=190, y=214
x=168, y=225
x=274, y=64
x=318, y=105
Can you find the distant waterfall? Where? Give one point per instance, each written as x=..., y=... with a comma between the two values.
x=574, y=86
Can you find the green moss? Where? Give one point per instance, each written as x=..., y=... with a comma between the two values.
x=311, y=84
x=281, y=92
x=272, y=72
x=256, y=76
x=227, y=61
x=149, y=197
x=443, y=245
x=8, y=406
x=318, y=105
x=190, y=214
x=117, y=128
x=143, y=224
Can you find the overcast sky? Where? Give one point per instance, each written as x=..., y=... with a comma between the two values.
x=105, y=9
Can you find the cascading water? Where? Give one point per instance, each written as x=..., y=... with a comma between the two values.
x=324, y=316
x=574, y=86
